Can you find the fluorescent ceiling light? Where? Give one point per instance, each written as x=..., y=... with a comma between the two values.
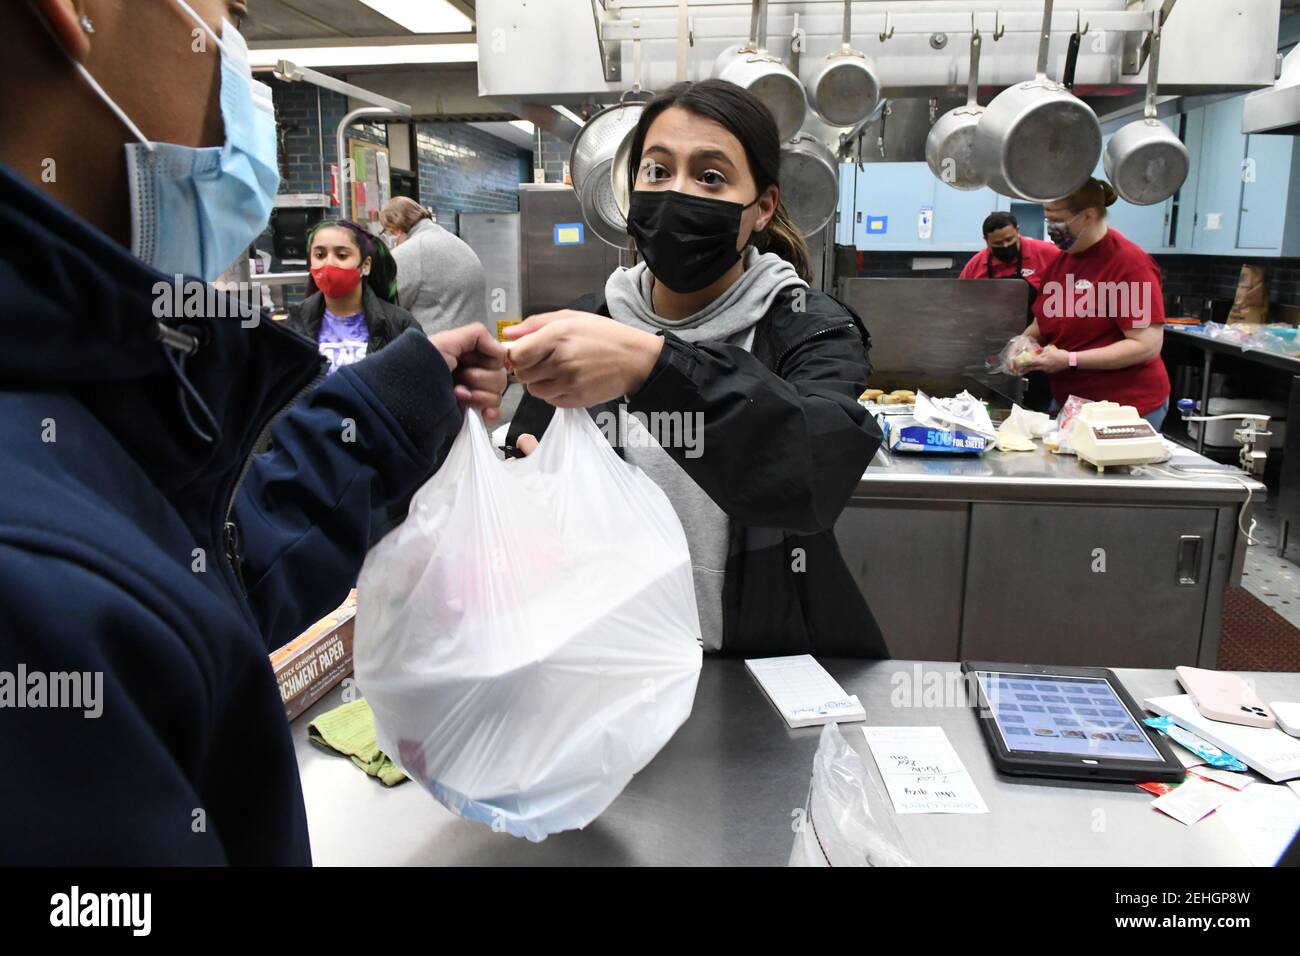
x=568, y=114
x=524, y=125
x=423, y=16
x=367, y=55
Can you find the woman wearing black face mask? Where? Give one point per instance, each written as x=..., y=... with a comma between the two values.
x=724, y=377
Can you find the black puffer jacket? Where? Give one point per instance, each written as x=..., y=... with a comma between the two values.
x=785, y=443
x=384, y=320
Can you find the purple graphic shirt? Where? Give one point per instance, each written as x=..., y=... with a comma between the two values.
x=343, y=339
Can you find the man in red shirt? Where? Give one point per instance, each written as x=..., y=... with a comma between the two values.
x=1101, y=312
x=1008, y=254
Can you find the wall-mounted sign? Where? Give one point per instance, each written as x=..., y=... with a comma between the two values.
x=568, y=234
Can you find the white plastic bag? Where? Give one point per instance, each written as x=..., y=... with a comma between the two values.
x=528, y=637
x=839, y=827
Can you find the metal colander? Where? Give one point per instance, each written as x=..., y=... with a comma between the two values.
x=594, y=146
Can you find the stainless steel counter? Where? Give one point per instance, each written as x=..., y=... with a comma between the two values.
x=1041, y=475
x=1127, y=567
x=725, y=788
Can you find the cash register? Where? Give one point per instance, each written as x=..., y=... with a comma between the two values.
x=1107, y=433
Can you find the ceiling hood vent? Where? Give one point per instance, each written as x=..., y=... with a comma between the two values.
x=1277, y=109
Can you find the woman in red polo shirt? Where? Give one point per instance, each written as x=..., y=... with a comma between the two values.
x=1101, y=313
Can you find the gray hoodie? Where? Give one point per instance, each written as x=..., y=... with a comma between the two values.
x=728, y=320
x=440, y=280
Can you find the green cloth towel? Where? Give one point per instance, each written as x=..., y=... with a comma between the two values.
x=350, y=730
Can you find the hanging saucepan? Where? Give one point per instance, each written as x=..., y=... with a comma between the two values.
x=1037, y=140
x=1145, y=161
x=810, y=184
x=950, y=147
x=845, y=88
x=765, y=76
x=994, y=178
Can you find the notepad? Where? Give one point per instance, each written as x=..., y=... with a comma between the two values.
x=1266, y=750
x=801, y=690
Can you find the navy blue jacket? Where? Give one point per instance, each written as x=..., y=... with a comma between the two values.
x=120, y=487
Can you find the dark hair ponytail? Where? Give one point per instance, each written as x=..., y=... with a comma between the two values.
x=784, y=238
x=1094, y=194
x=745, y=117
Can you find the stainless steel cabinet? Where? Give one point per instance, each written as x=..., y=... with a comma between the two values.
x=909, y=559
x=561, y=259
x=1116, y=586
x=494, y=237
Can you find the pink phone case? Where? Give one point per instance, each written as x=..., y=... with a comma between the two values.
x=1219, y=695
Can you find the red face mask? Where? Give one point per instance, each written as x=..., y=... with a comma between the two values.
x=335, y=281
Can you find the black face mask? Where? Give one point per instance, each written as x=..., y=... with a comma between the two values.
x=688, y=242
x=1007, y=253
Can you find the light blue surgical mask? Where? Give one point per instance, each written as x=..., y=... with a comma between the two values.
x=195, y=210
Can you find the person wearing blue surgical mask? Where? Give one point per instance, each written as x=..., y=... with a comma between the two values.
x=145, y=550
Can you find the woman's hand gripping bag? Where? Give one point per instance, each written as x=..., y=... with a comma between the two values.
x=528, y=637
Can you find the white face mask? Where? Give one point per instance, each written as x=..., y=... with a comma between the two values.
x=195, y=210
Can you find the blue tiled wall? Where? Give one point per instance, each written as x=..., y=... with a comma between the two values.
x=463, y=169
x=555, y=153
x=302, y=135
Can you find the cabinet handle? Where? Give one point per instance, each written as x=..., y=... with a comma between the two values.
x=1189, y=558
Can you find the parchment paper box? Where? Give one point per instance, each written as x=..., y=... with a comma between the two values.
x=317, y=659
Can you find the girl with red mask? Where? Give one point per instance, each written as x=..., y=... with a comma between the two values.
x=351, y=308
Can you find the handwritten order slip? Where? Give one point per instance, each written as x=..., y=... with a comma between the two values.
x=922, y=772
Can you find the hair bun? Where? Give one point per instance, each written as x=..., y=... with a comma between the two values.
x=1108, y=194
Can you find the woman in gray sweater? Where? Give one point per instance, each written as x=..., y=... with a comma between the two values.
x=439, y=278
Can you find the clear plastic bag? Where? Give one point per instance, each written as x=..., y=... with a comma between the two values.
x=1070, y=409
x=528, y=637
x=848, y=821
x=1016, y=355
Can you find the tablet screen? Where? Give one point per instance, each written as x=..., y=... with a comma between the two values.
x=1063, y=715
